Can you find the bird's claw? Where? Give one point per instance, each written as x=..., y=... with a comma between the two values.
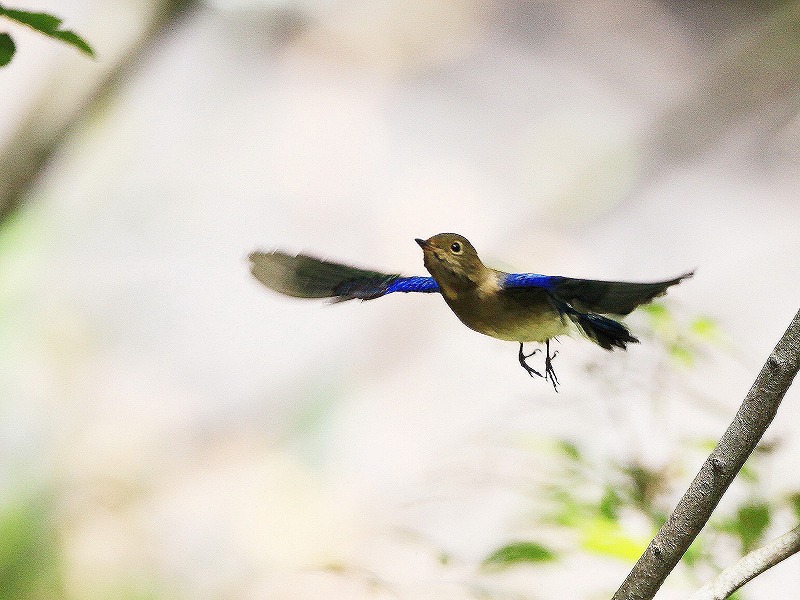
x=548, y=367
x=549, y=371
x=528, y=369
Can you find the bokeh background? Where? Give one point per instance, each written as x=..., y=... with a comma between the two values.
x=169, y=429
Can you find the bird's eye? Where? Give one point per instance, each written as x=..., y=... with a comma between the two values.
x=455, y=247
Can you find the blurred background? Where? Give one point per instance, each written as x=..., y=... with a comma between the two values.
x=170, y=429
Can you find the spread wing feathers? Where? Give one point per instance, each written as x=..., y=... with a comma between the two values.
x=585, y=301
x=608, y=297
x=304, y=276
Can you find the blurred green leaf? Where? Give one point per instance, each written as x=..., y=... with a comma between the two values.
x=660, y=318
x=49, y=25
x=569, y=450
x=749, y=524
x=705, y=327
x=681, y=354
x=28, y=564
x=754, y=519
x=646, y=484
x=657, y=517
x=748, y=473
x=608, y=538
x=610, y=504
x=7, y=49
x=693, y=553
x=794, y=500
x=519, y=552
x=568, y=510
x=656, y=310
x=766, y=448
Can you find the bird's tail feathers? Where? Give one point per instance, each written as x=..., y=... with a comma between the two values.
x=606, y=333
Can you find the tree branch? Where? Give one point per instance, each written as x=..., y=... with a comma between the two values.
x=718, y=471
x=750, y=566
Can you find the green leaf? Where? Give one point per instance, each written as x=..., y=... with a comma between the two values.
x=608, y=538
x=794, y=500
x=7, y=49
x=748, y=473
x=705, y=327
x=568, y=511
x=28, y=552
x=749, y=524
x=610, y=504
x=660, y=318
x=693, y=553
x=40, y=21
x=519, y=552
x=754, y=519
x=656, y=310
x=569, y=450
x=681, y=354
x=49, y=25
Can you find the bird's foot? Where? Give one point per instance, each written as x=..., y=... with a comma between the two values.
x=528, y=369
x=548, y=366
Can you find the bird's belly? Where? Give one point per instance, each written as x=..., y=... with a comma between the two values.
x=531, y=329
x=512, y=323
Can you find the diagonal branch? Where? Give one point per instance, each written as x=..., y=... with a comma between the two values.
x=694, y=509
x=52, y=118
x=750, y=566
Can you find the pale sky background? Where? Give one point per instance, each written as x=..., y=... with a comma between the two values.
x=203, y=437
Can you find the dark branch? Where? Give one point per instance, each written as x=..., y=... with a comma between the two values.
x=694, y=509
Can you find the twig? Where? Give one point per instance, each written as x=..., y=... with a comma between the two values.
x=750, y=566
x=694, y=509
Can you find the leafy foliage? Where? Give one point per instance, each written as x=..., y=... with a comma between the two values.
x=45, y=23
x=613, y=509
x=683, y=341
x=519, y=552
x=617, y=516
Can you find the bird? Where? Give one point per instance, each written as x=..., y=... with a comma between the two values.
x=516, y=307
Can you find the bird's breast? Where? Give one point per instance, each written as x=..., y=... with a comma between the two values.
x=488, y=310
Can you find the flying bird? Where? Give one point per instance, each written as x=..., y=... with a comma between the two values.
x=517, y=307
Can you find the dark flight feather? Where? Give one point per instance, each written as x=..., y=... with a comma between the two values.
x=304, y=276
x=608, y=297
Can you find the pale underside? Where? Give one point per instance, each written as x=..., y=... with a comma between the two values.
x=523, y=318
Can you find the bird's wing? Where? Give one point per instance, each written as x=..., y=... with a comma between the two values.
x=304, y=276
x=590, y=295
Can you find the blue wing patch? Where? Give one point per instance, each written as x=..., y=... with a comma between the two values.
x=368, y=288
x=304, y=276
x=413, y=284
x=518, y=280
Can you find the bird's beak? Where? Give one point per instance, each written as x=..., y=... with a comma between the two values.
x=422, y=243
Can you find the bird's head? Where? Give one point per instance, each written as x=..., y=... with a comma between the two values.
x=452, y=260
